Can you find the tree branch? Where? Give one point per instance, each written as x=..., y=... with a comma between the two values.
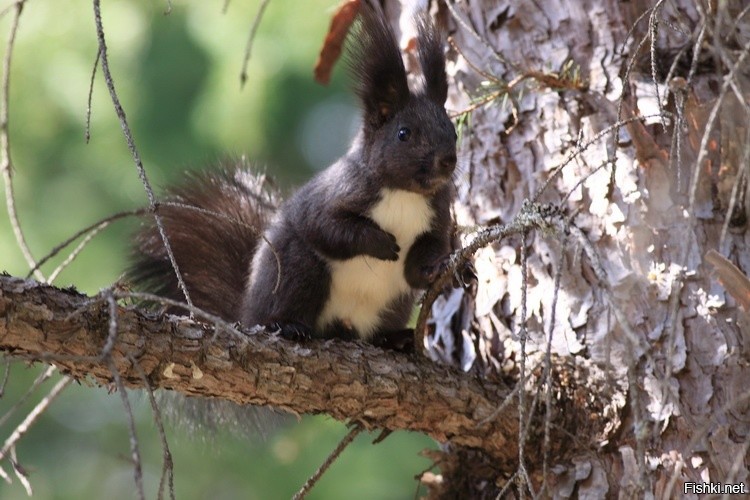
x=346, y=380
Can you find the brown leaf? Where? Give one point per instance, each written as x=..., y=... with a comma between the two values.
x=331, y=51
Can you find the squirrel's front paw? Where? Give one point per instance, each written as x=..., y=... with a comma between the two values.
x=398, y=340
x=385, y=247
x=464, y=276
x=293, y=330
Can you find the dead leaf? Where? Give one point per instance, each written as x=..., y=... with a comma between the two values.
x=340, y=23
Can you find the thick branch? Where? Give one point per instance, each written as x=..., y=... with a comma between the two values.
x=347, y=380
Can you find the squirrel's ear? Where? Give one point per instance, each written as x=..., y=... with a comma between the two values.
x=432, y=60
x=376, y=65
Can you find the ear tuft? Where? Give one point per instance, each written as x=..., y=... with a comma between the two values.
x=376, y=65
x=432, y=60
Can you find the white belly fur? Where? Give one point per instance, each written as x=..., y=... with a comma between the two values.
x=363, y=286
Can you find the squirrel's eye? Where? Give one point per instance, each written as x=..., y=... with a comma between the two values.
x=403, y=134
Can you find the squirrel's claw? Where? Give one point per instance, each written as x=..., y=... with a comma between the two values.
x=464, y=275
x=398, y=340
x=294, y=331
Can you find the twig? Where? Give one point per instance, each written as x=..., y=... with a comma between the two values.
x=738, y=189
x=95, y=227
x=77, y=250
x=131, y=146
x=6, y=164
x=702, y=152
x=548, y=368
x=87, y=133
x=676, y=148
x=522, y=423
x=37, y=382
x=33, y=415
x=508, y=400
x=134, y=452
x=6, y=376
x=580, y=150
x=193, y=310
x=510, y=482
x=465, y=25
x=250, y=38
x=167, y=469
x=302, y=493
x=612, y=160
x=653, y=28
x=106, y=354
x=494, y=233
x=20, y=472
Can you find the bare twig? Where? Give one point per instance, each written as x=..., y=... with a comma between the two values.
x=653, y=28
x=20, y=472
x=37, y=382
x=93, y=228
x=6, y=165
x=131, y=146
x=738, y=189
x=6, y=376
x=522, y=337
x=106, y=354
x=494, y=233
x=33, y=415
x=193, y=310
x=579, y=151
x=506, y=487
x=167, y=469
x=250, y=39
x=87, y=133
x=134, y=451
x=703, y=149
x=77, y=250
x=302, y=493
x=548, y=368
x=469, y=29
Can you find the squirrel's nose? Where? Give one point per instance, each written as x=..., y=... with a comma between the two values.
x=445, y=163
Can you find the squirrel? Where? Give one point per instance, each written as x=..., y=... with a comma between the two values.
x=345, y=255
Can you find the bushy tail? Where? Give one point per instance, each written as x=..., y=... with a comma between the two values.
x=213, y=220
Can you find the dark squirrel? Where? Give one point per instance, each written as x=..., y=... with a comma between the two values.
x=343, y=256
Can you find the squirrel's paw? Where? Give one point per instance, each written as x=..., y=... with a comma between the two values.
x=384, y=246
x=398, y=340
x=294, y=330
x=464, y=276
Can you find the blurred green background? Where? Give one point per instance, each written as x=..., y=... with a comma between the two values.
x=177, y=76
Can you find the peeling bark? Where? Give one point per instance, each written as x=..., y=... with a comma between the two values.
x=653, y=199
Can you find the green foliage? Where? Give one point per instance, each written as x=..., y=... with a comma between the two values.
x=177, y=76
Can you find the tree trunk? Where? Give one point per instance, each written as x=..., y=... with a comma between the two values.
x=545, y=83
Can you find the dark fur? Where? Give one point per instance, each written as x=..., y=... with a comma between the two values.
x=213, y=247
x=327, y=219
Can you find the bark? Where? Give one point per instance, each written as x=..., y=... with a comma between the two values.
x=350, y=381
x=652, y=201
